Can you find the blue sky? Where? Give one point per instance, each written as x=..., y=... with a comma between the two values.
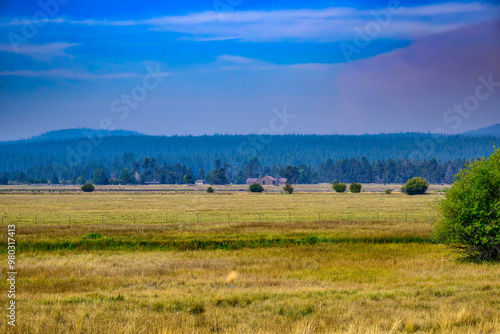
x=229, y=66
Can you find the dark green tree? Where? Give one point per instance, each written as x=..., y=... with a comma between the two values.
x=100, y=177
x=201, y=174
x=21, y=177
x=288, y=188
x=469, y=219
x=339, y=187
x=88, y=187
x=189, y=178
x=355, y=187
x=415, y=186
x=126, y=176
x=256, y=188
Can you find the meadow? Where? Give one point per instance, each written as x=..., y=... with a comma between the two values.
x=312, y=263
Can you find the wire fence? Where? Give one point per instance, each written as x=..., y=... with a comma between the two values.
x=177, y=217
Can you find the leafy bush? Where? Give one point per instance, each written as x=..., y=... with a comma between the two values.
x=415, y=186
x=88, y=187
x=388, y=191
x=469, y=219
x=288, y=188
x=355, y=187
x=210, y=190
x=339, y=187
x=256, y=188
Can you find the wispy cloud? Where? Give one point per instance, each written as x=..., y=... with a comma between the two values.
x=40, y=51
x=237, y=63
x=328, y=24
x=76, y=75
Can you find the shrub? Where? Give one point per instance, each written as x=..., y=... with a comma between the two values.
x=339, y=187
x=256, y=188
x=88, y=187
x=288, y=188
x=388, y=191
x=469, y=216
x=415, y=186
x=355, y=187
x=210, y=190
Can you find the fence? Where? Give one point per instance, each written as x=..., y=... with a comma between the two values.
x=176, y=217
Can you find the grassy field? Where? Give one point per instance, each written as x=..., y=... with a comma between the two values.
x=306, y=274
x=162, y=208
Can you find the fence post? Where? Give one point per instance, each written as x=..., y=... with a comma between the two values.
x=289, y=216
x=319, y=216
x=197, y=217
x=134, y=218
x=259, y=216
x=228, y=220
x=406, y=215
x=102, y=218
x=69, y=219
x=377, y=216
x=36, y=219
x=166, y=217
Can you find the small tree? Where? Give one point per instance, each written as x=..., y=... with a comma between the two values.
x=80, y=180
x=469, y=220
x=355, y=187
x=189, y=178
x=21, y=177
x=415, y=186
x=100, y=177
x=339, y=187
x=88, y=187
x=256, y=188
x=210, y=190
x=288, y=188
x=54, y=179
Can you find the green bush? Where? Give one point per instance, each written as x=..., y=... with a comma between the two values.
x=210, y=190
x=288, y=188
x=469, y=216
x=388, y=191
x=339, y=187
x=415, y=186
x=256, y=188
x=88, y=187
x=355, y=187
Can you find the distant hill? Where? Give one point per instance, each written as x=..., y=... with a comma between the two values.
x=79, y=133
x=493, y=130
x=71, y=150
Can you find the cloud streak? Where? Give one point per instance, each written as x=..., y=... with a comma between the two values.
x=57, y=49
x=76, y=75
x=324, y=25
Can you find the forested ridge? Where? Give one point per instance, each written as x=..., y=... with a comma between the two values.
x=301, y=158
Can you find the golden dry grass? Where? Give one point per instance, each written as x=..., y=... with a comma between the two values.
x=347, y=287
x=354, y=288
x=93, y=208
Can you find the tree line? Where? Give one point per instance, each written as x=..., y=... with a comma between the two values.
x=202, y=151
x=128, y=170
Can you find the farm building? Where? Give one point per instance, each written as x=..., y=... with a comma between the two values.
x=267, y=180
x=199, y=182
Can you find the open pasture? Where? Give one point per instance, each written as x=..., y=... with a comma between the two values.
x=303, y=275
x=171, y=207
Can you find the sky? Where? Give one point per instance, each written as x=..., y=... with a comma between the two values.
x=243, y=66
